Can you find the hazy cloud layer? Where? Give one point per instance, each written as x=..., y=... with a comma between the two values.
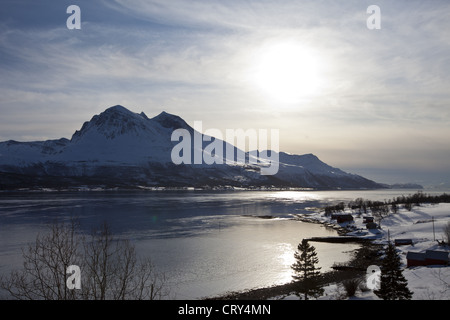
x=384, y=102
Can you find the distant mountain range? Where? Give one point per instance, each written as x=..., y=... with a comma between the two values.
x=403, y=186
x=122, y=149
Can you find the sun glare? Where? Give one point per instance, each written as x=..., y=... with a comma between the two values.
x=288, y=72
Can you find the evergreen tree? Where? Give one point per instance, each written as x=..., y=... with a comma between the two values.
x=306, y=270
x=393, y=285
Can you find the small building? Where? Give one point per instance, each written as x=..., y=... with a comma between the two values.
x=434, y=257
x=403, y=242
x=415, y=259
x=343, y=217
x=372, y=225
x=367, y=219
x=427, y=258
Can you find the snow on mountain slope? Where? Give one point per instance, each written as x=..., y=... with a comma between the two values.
x=309, y=161
x=25, y=153
x=120, y=146
x=119, y=136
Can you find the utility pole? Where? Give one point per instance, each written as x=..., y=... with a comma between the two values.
x=434, y=236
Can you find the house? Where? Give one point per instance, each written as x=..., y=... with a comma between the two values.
x=403, y=242
x=415, y=259
x=434, y=257
x=427, y=258
x=367, y=219
x=343, y=217
x=372, y=225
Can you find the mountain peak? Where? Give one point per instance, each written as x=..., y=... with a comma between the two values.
x=117, y=108
x=117, y=121
x=171, y=121
x=164, y=114
x=112, y=122
x=311, y=157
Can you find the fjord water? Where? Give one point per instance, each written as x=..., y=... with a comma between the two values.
x=206, y=242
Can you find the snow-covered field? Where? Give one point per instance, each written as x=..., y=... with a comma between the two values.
x=427, y=283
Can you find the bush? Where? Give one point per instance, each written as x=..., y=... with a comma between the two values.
x=350, y=286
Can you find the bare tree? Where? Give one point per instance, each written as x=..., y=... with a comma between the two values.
x=114, y=271
x=45, y=263
x=110, y=268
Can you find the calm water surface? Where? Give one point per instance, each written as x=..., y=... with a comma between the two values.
x=207, y=243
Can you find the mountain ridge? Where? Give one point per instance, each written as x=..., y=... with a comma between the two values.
x=121, y=148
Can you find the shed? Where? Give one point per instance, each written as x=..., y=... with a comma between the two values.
x=342, y=217
x=372, y=225
x=427, y=258
x=367, y=219
x=403, y=242
x=433, y=257
x=415, y=259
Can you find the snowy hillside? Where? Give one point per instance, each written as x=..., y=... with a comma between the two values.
x=116, y=135
x=424, y=226
x=120, y=148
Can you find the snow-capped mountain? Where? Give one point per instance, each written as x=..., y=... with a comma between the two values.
x=120, y=148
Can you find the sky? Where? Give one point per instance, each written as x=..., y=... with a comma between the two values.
x=370, y=101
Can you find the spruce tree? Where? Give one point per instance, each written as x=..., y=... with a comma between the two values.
x=393, y=285
x=306, y=271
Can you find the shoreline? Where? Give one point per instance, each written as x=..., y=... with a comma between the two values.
x=420, y=219
x=364, y=256
x=367, y=254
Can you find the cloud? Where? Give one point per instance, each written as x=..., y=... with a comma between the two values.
x=192, y=58
x=213, y=14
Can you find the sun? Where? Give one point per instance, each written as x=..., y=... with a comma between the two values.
x=287, y=72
